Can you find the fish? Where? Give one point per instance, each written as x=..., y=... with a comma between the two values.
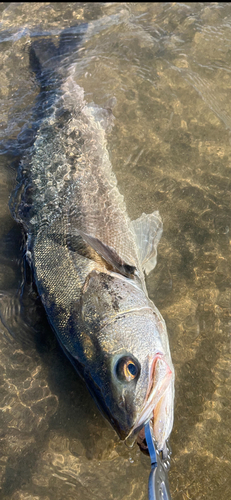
x=90, y=261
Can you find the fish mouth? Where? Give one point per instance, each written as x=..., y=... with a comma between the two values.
x=129, y=431
x=159, y=377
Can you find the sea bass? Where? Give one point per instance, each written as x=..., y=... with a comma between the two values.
x=89, y=262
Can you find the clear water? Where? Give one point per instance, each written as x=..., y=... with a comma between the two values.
x=169, y=67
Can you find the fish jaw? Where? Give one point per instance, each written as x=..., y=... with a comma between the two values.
x=159, y=400
x=163, y=416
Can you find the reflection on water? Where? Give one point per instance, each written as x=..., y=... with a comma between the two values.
x=168, y=65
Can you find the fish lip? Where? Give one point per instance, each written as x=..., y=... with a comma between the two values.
x=123, y=434
x=151, y=398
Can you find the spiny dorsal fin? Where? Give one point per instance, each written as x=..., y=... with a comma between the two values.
x=148, y=230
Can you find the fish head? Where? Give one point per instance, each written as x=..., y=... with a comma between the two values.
x=129, y=372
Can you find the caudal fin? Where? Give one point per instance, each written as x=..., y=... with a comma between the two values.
x=47, y=58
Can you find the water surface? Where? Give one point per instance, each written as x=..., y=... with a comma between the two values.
x=169, y=67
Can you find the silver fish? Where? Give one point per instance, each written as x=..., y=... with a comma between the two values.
x=89, y=261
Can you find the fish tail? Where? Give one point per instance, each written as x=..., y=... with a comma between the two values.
x=46, y=58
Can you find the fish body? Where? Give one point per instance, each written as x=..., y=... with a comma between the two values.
x=89, y=261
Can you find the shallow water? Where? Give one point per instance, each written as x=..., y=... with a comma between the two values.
x=169, y=67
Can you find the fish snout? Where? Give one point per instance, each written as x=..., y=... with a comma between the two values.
x=159, y=401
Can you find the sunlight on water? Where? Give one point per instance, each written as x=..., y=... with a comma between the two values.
x=168, y=66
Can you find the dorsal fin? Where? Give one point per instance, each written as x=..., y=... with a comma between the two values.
x=148, y=230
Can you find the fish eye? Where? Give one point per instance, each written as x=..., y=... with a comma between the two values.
x=127, y=369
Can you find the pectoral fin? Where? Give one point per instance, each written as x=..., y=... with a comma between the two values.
x=148, y=230
x=109, y=254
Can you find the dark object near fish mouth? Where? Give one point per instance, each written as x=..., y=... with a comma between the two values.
x=142, y=443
